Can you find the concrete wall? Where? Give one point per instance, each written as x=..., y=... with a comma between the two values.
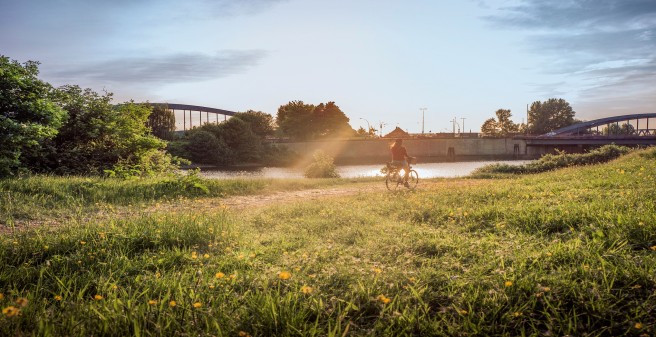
x=426, y=150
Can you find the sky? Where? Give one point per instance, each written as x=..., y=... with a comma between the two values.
x=381, y=61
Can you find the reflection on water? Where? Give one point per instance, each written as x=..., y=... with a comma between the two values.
x=425, y=170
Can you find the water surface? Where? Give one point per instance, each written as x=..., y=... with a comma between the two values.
x=425, y=170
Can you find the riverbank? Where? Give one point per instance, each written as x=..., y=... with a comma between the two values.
x=568, y=252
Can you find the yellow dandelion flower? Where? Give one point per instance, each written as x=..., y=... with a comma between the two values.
x=306, y=289
x=98, y=297
x=207, y=256
x=193, y=255
x=58, y=298
x=546, y=289
x=22, y=301
x=284, y=275
x=383, y=299
x=233, y=276
x=252, y=255
x=197, y=305
x=173, y=304
x=219, y=275
x=243, y=334
x=83, y=242
x=549, y=254
x=114, y=287
x=638, y=326
x=508, y=284
x=152, y=302
x=653, y=248
x=463, y=312
x=212, y=286
x=10, y=311
x=158, y=275
x=517, y=314
x=378, y=270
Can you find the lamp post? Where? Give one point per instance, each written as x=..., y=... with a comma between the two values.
x=422, y=119
x=463, y=124
x=381, y=128
x=368, y=125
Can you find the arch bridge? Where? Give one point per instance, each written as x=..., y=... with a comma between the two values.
x=187, y=114
x=585, y=135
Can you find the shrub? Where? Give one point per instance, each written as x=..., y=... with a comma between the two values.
x=554, y=161
x=322, y=166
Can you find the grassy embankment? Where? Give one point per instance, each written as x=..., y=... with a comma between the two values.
x=570, y=251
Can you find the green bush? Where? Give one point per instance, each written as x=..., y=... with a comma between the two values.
x=554, y=161
x=322, y=166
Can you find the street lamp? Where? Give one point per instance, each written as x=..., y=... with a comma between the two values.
x=368, y=125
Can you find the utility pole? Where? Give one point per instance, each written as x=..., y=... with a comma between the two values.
x=381, y=128
x=453, y=122
x=463, y=124
x=423, y=110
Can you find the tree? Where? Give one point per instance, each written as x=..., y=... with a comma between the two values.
x=329, y=120
x=489, y=128
x=294, y=119
x=237, y=134
x=28, y=114
x=204, y=148
x=161, y=121
x=502, y=126
x=544, y=117
x=261, y=123
x=615, y=129
x=99, y=136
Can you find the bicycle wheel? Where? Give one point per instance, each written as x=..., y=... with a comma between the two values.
x=413, y=179
x=392, y=181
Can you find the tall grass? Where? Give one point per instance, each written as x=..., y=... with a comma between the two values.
x=568, y=252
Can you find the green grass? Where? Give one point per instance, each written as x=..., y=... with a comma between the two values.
x=568, y=252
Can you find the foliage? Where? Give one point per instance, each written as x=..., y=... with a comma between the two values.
x=161, y=121
x=550, y=162
x=28, y=114
x=544, y=117
x=361, y=132
x=261, y=123
x=501, y=127
x=536, y=255
x=322, y=166
x=238, y=135
x=614, y=129
x=301, y=121
x=204, y=148
x=294, y=120
x=278, y=155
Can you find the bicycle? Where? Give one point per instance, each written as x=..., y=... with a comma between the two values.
x=394, y=178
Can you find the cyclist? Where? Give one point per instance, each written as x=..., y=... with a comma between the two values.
x=400, y=158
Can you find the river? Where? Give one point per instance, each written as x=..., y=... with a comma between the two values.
x=425, y=170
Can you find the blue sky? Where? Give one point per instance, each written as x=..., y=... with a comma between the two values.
x=378, y=60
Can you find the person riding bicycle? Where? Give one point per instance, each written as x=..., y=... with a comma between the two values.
x=400, y=158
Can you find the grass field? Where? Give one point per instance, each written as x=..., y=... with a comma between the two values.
x=567, y=252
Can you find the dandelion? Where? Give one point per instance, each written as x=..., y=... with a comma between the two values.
x=207, y=256
x=83, y=242
x=383, y=299
x=463, y=312
x=306, y=289
x=98, y=297
x=549, y=254
x=193, y=255
x=516, y=314
x=219, y=275
x=58, y=298
x=244, y=334
x=378, y=270
x=172, y=304
x=10, y=311
x=508, y=284
x=197, y=305
x=22, y=301
x=653, y=248
x=638, y=326
x=284, y=275
x=152, y=302
x=158, y=275
x=114, y=287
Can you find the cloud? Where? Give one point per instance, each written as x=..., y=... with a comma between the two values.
x=191, y=67
x=606, y=47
